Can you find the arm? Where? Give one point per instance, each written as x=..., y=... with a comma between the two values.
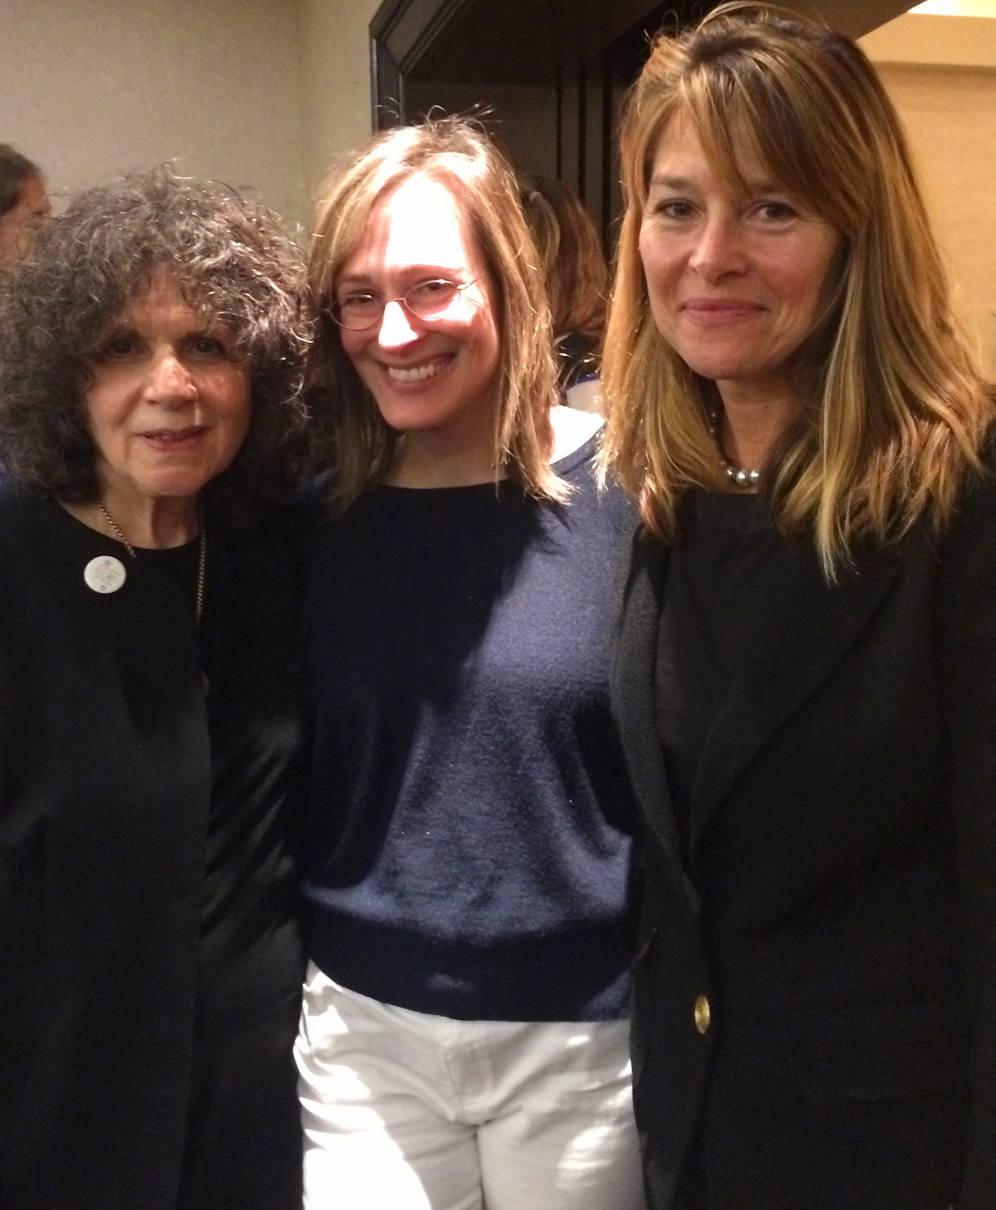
x=969, y=669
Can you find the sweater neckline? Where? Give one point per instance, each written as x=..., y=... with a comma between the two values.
x=563, y=466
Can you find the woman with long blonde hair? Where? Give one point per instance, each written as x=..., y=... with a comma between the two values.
x=805, y=675
x=464, y=1038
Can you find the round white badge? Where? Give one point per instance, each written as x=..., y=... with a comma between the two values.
x=104, y=574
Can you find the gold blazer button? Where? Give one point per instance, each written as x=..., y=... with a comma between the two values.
x=703, y=1015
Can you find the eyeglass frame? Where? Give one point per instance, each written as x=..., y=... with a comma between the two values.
x=335, y=305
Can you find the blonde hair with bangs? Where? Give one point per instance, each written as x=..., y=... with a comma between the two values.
x=894, y=408
x=457, y=153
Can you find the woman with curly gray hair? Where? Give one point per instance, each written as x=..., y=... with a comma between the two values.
x=150, y=964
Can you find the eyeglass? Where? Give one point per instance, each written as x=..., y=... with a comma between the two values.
x=428, y=300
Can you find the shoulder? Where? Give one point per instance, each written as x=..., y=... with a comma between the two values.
x=270, y=544
x=970, y=533
x=30, y=521
x=642, y=570
x=17, y=500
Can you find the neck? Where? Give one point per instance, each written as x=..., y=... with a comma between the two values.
x=458, y=454
x=147, y=523
x=421, y=460
x=750, y=425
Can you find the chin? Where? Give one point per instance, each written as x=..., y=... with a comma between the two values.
x=177, y=488
x=413, y=417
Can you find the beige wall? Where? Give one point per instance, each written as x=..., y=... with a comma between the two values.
x=941, y=74
x=257, y=93
x=335, y=75
x=264, y=93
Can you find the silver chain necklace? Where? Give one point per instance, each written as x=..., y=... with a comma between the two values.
x=115, y=529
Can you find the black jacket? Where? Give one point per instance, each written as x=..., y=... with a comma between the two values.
x=105, y=795
x=837, y=911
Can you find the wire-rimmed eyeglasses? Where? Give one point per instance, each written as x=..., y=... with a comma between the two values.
x=357, y=309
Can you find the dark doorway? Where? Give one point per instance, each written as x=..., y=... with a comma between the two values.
x=545, y=75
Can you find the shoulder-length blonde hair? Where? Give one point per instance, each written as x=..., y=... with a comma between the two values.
x=457, y=153
x=894, y=410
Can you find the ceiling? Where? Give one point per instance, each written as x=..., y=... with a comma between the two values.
x=521, y=41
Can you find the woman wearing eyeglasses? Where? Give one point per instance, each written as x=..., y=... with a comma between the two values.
x=469, y=845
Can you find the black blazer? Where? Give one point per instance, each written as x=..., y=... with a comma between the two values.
x=815, y=1002
x=105, y=797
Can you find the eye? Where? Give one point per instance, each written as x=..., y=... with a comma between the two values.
x=674, y=208
x=434, y=288
x=775, y=211
x=206, y=346
x=432, y=295
x=119, y=346
x=357, y=300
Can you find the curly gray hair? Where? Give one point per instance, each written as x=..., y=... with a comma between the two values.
x=228, y=258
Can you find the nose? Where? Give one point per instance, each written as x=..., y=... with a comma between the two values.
x=170, y=382
x=719, y=248
x=396, y=328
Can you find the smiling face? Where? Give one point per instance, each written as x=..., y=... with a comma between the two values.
x=169, y=401
x=737, y=280
x=435, y=377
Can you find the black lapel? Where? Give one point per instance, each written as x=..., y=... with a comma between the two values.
x=809, y=626
x=633, y=696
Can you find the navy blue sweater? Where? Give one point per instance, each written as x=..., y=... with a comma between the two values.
x=470, y=826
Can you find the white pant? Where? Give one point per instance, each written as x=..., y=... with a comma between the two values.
x=407, y=1111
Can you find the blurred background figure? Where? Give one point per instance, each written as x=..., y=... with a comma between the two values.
x=573, y=266
x=23, y=197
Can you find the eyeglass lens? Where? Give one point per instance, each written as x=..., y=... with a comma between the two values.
x=361, y=309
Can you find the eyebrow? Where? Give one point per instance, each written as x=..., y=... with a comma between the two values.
x=762, y=185
x=670, y=182
x=428, y=272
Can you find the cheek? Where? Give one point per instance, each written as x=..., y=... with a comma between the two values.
x=236, y=406
x=656, y=267
x=804, y=288
x=805, y=275
x=491, y=344
x=353, y=343
x=106, y=406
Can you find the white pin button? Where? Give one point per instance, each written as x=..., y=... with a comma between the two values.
x=104, y=574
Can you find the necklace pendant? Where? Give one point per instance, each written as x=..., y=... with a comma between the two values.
x=104, y=574
x=741, y=477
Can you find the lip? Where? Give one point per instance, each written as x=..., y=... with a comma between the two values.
x=713, y=312
x=174, y=440
x=417, y=373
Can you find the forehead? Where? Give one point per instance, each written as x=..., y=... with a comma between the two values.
x=731, y=155
x=159, y=304
x=420, y=222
